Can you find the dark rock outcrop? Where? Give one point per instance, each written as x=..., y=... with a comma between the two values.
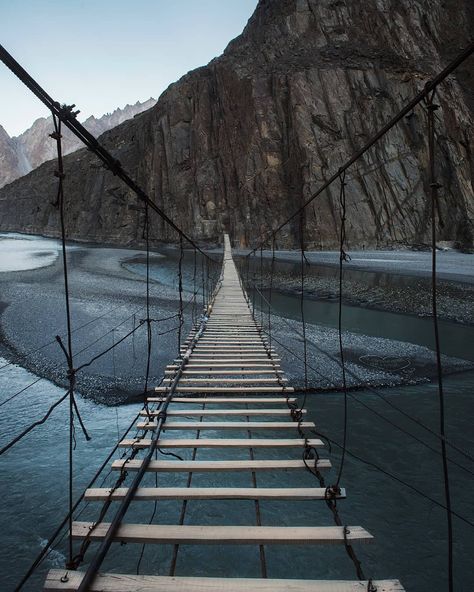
x=242, y=142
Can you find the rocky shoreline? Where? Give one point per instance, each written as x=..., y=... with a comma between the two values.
x=407, y=292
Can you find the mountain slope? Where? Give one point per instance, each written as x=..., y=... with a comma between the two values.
x=34, y=146
x=241, y=142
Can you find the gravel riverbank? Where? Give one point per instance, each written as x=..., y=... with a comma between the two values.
x=395, y=281
x=107, y=300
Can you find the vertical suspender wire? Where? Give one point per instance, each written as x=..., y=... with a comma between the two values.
x=342, y=257
x=180, y=289
x=203, y=286
x=247, y=271
x=194, y=287
x=254, y=286
x=434, y=186
x=272, y=269
x=207, y=283
x=302, y=286
x=261, y=286
x=146, y=231
x=69, y=353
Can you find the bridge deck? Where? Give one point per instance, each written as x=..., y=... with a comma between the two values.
x=230, y=357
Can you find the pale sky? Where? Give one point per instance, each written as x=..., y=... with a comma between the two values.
x=103, y=54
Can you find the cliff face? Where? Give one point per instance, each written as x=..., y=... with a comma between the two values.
x=21, y=154
x=241, y=142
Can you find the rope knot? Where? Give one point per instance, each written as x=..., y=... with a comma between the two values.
x=66, y=111
x=346, y=532
x=71, y=373
x=332, y=492
x=344, y=255
x=296, y=414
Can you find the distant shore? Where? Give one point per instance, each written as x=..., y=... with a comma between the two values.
x=395, y=281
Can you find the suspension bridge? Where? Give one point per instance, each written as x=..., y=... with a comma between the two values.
x=226, y=379
x=233, y=381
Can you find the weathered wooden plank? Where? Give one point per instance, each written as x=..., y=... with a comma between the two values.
x=225, y=400
x=244, y=381
x=220, y=366
x=221, y=443
x=222, y=339
x=228, y=389
x=230, y=346
x=133, y=583
x=217, y=466
x=228, y=425
x=210, y=493
x=205, y=412
x=227, y=347
x=223, y=535
x=232, y=359
x=226, y=372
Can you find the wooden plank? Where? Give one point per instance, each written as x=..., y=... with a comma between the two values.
x=221, y=443
x=191, y=366
x=132, y=583
x=230, y=337
x=223, y=535
x=228, y=425
x=227, y=348
x=225, y=372
x=228, y=389
x=205, y=412
x=226, y=343
x=225, y=400
x=232, y=331
x=244, y=381
x=210, y=493
x=232, y=359
x=230, y=324
x=220, y=326
x=217, y=466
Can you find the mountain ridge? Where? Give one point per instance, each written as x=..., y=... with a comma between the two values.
x=240, y=143
x=25, y=152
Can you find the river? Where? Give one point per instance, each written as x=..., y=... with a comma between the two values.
x=409, y=530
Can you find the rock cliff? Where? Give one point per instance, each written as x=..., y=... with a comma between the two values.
x=241, y=142
x=21, y=154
